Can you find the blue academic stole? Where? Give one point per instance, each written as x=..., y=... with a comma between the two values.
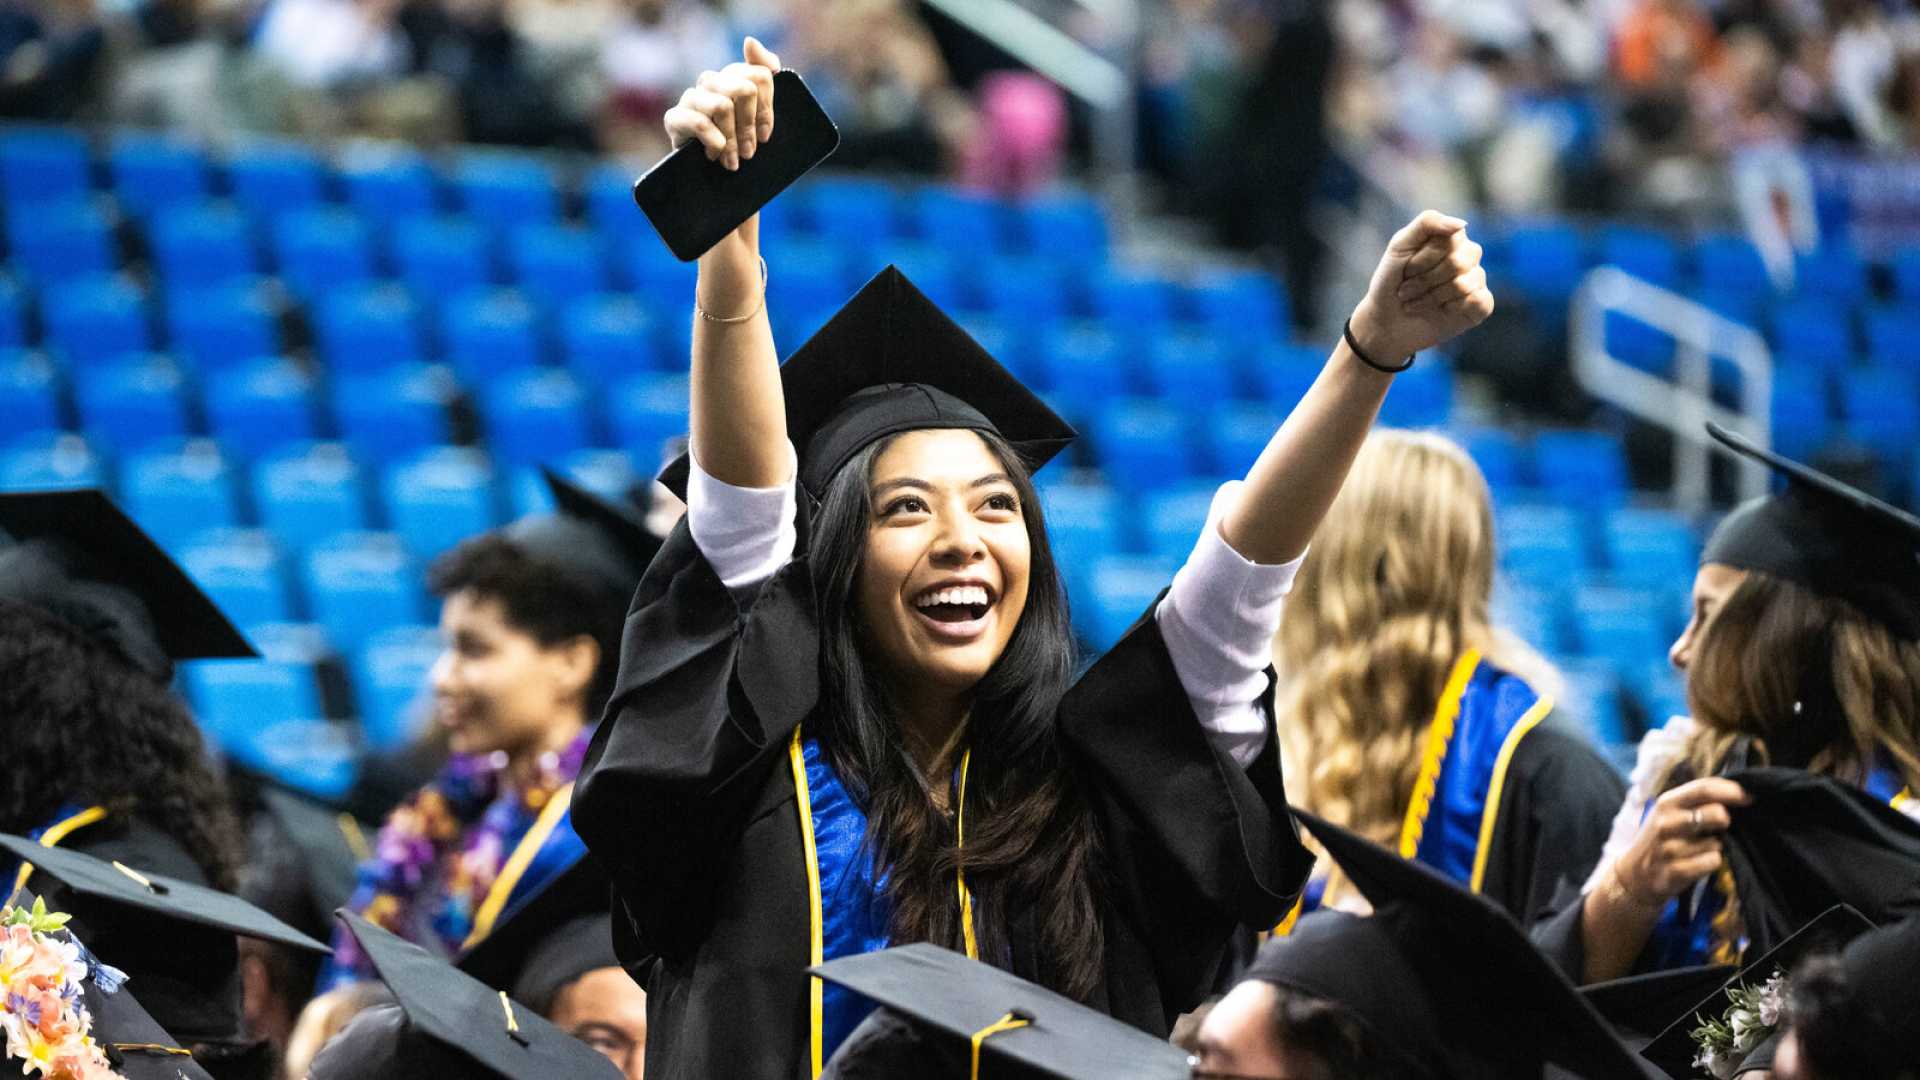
x=1480, y=720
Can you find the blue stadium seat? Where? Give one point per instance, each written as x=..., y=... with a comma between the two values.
x=556, y=264
x=1645, y=253
x=1545, y=261
x=1122, y=586
x=1084, y=523
x=220, y=326
x=487, y=334
x=1067, y=226
x=1893, y=337
x=391, y=685
x=233, y=699
x=1881, y=409
x=1175, y=519
x=38, y=164
x=55, y=241
x=1282, y=373
x=848, y=207
x=1144, y=442
x=1240, y=302
x=1592, y=701
x=1742, y=306
x=1583, y=466
x=244, y=572
x=443, y=256
x=645, y=266
x=1834, y=272
x=1085, y=364
x=506, y=189
x=1543, y=546
x=1235, y=434
x=133, y=401
x=322, y=249
x=316, y=757
x=608, y=191
x=309, y=492
x=1802, y=410
x=958, y=220
x=440, y=498
x=360, y=584
x=1660, y=690
x=394, y=413
x=257, y=407
x=269, y=178
x=1423, y=397
x=13, y=314
x=1905, y=265
x=1537, y=615
x=1025, y=291
x=1015, y=351
x=1129, y=298
x=50, y=459
x=1189, y=369
x=389, y=183
x=608, y=473
x=1729, y=263
x=152, y=173
x=1638, y=344
x=178, y=491
x=535, y=416
x=1652, y=549
x=648, y=410
x=369, y=328
x=202, y=245
x=29, y=393
x=1627, y=627
x=815, y=275
x=610, y=337
x=1505, y=460
x=933, y=271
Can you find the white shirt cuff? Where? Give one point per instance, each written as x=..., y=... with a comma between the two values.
x=1218, y=621
x=746, y=534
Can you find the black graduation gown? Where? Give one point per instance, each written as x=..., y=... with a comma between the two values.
x=687, y=800
x=1555, y=813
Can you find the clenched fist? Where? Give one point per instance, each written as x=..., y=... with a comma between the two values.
x=1429, y=288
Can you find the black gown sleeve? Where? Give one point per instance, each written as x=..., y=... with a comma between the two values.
x=1555, y=814
x=1194, y=844
x=708, y=695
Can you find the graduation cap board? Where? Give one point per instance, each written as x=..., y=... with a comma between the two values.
x=1017, y=1029
x=594, y=538
x=444, y=1016
x=1673, y=1050
x=1641, y=1006
x=304, y=858
x=79, y=558
x=1441, y=974
x=549, y=939
x=888, y=362
x=1825, y=535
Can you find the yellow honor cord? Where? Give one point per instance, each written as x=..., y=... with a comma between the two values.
x=55, y=833
x=355, y=836
x=151, y=1048
x=1490, y=815
x=1285, y=927
x=1445, y=715
x=1005, y=1023
x=960, y=875
x=134, y=874
x=816, y=990
x=517, y=863
x=1901, y=800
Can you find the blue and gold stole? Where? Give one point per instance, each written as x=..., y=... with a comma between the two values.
x=546, y=850
x=68, y=821
x=847, y=909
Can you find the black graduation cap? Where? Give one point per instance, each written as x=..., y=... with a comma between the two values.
x=1442, y=974
x=1825, y=535
x=1806, y=842
x=79, y=558
x=1641, y=1006
x=1885, y=1018
x=175, y=938
x=1673, y=1050
x=940, y=1001
x=891, y=361
x=595, y=538
x=446, y=1024
x=136, y=1044
x=303, y=859
x=549, y=939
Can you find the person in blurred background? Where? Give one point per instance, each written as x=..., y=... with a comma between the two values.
x=1405, y=714
x=1802, y=650
x=531, y=617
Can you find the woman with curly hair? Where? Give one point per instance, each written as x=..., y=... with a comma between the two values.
x=1405, y=714
x=1803, y=651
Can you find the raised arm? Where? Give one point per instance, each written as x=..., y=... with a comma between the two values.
x=1428, y=288
x=738, y=419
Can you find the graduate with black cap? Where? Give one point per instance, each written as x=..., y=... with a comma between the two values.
x=1855, y=1015
x=530, y=618
x=846, y=715
x=1803, y=654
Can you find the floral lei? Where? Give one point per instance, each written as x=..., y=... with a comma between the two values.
x=47, y=1025
x=1749, y=1020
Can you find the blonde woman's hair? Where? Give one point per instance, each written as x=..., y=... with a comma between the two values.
x=1395, y=588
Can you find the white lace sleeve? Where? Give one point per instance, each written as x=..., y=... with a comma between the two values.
x=1659, y=749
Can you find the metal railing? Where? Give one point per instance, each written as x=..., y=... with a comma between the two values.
x=1683, y=403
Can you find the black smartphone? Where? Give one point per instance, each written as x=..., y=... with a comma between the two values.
x=694, y=203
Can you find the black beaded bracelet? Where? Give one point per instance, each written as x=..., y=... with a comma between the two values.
x=1347, y=333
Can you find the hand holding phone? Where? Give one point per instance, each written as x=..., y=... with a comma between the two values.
x=737, y=157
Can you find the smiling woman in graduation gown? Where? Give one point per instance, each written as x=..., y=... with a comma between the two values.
x=844, y=718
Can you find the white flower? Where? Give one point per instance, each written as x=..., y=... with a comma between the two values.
x=1748, y=1029
x=1773, y=1000
x=1717, y=1061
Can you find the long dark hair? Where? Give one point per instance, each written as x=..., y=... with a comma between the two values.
x=1030, y=844
x=81, y=726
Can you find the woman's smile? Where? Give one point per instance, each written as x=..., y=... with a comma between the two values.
x=956, y=610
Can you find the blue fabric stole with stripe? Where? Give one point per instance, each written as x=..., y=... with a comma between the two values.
x=854, y=911
x=563, y=848
x=1492, y=706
